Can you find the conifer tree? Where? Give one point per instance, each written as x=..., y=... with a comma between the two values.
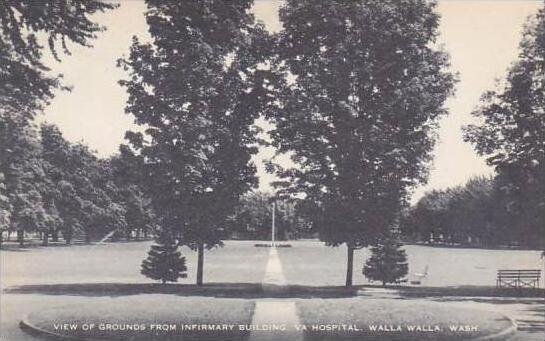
x=164, y=261
x=388, y=262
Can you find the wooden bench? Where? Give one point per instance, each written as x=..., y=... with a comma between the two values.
x=518, y=278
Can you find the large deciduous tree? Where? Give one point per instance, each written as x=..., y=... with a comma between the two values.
x=139, y=216
x=512, y=133
x=196, y=89
x=21, y=166
x=80, y=187
x=25, y=85
x=357, y=110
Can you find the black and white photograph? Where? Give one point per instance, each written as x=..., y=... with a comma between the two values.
x=272, y=170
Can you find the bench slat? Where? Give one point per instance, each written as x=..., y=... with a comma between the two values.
x=518, y=278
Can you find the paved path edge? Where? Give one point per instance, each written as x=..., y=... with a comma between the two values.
x=31, y=329
x=501, y=334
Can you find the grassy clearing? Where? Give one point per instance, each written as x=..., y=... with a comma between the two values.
x=237, y=261
x=152, y=317
x=429, y=320
x=313, y=263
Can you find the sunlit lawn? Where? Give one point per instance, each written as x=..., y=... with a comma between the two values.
x=312, y=263
x=238, y=261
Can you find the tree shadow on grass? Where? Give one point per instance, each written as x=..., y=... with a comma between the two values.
x=224, y=290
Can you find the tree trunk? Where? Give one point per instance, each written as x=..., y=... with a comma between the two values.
x=9, y=236
x=1, y=238
x=67, y=237
x=55, y=236
x=137, y=235
x=349, y=265
x=45, y=238
x=200, y=263
x=21, y=237
x=87, y=236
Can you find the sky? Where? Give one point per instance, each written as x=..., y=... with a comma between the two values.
x=481, y=37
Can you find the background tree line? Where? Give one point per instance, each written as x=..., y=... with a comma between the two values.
x=56, y=188
x=510, y=207
x=253, y=218
x=475, y=214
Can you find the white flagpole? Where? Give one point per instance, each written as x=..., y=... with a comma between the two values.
x=273, y=232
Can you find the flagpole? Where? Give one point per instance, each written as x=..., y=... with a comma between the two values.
x=273, y=232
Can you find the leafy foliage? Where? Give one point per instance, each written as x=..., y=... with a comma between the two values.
x=197, y=89
x=357, y=107
x=23, y=175
x=127, y=173
x=512, y=132
x=472, y=214
x=253, y=218
x=25, y=85
x=4, y=206
x=25, y=88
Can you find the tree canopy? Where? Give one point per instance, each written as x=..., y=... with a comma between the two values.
x=197, y=89
x=357, y=109
x=25, y=85
x=511, y=133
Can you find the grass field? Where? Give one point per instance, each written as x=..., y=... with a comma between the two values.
x=311, y=263
x=402, y=321
x=85, y=275
x=120, y=263
x=156, y=317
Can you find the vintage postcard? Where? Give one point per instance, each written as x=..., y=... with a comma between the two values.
x=272, y=170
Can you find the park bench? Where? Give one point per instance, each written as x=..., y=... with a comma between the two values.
x=518, y=278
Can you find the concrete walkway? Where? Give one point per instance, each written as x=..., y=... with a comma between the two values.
x=275, y=319
x=274, y=276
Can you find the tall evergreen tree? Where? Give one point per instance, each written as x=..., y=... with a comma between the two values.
x=388, y=262
x=197, y=89
x=357, y=110
x=164, y=262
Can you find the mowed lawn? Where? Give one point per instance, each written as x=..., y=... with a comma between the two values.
x=237, y=261
x=312, y=263
x=305, y=263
